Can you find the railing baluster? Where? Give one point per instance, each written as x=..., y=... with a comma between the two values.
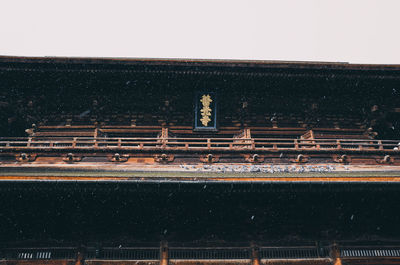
x=380, y=145
x=338, y=144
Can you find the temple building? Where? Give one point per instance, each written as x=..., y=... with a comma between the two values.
x=153, y=161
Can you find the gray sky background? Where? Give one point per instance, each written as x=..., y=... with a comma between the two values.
x=356, y=31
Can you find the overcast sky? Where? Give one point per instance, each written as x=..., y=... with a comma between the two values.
x=356, y=31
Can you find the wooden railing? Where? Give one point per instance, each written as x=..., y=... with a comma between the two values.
x=263, y=144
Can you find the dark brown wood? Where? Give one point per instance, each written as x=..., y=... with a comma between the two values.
x=122, y=121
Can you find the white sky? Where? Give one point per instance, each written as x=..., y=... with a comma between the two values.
x=356, y=31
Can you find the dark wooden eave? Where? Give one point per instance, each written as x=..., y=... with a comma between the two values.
x=200, y=66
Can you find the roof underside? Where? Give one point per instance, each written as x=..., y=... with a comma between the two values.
x=255, y=64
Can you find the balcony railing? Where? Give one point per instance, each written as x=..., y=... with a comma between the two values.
x=198, y=144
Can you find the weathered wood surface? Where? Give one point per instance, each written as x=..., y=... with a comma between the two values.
x=198, y=144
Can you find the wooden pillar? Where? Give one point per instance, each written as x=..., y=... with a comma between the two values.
x=164, y=136
x=313, y=142
x=247, y=133
x=255, y=258
x=164, y=132
x=335, y=254
x=164, y=253
x=80, y=257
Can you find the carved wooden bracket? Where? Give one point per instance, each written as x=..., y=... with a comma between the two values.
x=118, y=158
x=254, y=158
x=164, y=158
x=70, y=158
x=300, y=159
x=387, y=159
x=342, y=159
x=24, y=157
x=209, y=158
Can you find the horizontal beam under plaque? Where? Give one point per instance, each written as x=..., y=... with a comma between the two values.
x=205, y=111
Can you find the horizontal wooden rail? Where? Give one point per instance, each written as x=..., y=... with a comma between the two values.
x=199, y=143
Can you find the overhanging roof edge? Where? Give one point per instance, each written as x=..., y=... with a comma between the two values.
x=199, y=63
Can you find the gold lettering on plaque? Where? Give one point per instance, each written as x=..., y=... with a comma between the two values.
x=206, y=110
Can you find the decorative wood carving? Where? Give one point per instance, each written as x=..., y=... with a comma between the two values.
x=118, y=158
x=254, y=158
x=209, y=158
x=300, y=159
x=387, y=159
x=342, y=159
x=164, y=158
x=71, y=158
x=24, y=157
